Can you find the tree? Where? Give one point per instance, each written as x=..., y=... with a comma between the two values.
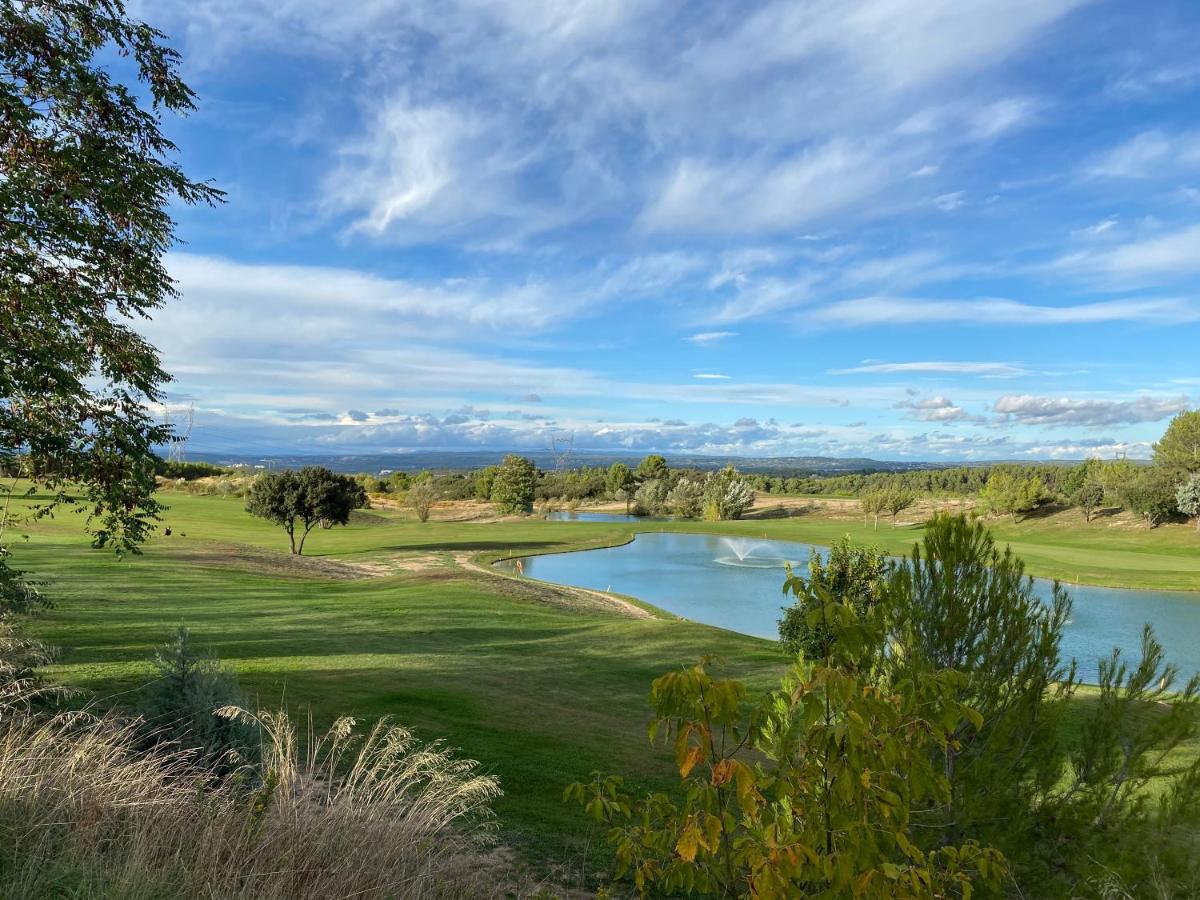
x=651, y=497
x=1012, y=494
x=1088, y=496
x=515, y=485
x=811, y=794
x=421, y=497
x=1151, y=494
x=484, y=479
x=852, y=576
x=1179, y=448
x=653, y=467
x=620, y=483
x=687, y=498
x=962, y=604
x=898, y=500
x=181, y=706
x=85, y=218
x=303, y=500
x=1187, y=498
x=872, y=504
x=726, y=495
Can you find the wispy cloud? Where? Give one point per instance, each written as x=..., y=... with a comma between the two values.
x=935, y=367
x=914, y=311
x=710, y=337
x=1153, y=259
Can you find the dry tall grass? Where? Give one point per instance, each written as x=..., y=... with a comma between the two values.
x=83, y=814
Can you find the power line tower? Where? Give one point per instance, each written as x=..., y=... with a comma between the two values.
x=179, y=440
x=561, y=448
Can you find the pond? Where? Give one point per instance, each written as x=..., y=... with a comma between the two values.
x=736, y=583
x=576, y=516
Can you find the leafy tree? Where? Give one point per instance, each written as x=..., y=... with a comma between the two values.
x=651, y=497
x=812, y=794
x=687, y=498
x=484, y=480
x=180, y=706
x=1012, y=494
x=873, y=503
x=1116, y=475
x=421, y=497
x=303, y=500
x=620, y=483
x=1187, y=498
x=726, y=495
x=653, y=467
x=853, y=576
x=515, y=485
x=1179, y=448
x=85, y=197
x=1088, y=496
x=962, y=604
x=1151, y=494
x=898, y=500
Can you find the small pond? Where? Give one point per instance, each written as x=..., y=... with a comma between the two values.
x=736, y=583
x=576, y=516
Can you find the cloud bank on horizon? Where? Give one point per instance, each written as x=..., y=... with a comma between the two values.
x=924, y=229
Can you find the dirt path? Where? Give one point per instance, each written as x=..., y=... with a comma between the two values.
x=617, y=604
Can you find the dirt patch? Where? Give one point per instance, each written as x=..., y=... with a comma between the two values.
x=260, y=561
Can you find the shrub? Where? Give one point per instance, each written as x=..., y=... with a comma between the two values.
x=726, y=495
x=421, y=497
x=687, y=498
x=180, y=706
x=651, y=497
x=853, y=576
x=1187, y=498
x=1151, y=494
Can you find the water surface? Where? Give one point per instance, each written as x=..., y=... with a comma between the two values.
x=736, y=583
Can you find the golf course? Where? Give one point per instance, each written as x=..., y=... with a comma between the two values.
x=390, y=616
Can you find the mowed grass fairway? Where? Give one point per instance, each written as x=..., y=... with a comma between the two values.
x=386, y=617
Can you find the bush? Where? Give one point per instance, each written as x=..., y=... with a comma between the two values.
x=651, y=497
x=687, y=498
x=726, y=495
x=852, y=576
x=180, y=706
x=421, y=497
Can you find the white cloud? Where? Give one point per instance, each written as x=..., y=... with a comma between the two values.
x=951, y=201
x=712, y=376
x=914, y=311
x=710, y=337
x=987, y=369
x=749, y=195
x=1152, y=259
x=1149, y=154
x=1086, y=412
x=934, y=409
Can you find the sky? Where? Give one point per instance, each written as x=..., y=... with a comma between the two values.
x=904, y=229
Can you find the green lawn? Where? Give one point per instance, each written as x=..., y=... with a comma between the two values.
x=541, y=693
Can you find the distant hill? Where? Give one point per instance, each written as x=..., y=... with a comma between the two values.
x=460, y=460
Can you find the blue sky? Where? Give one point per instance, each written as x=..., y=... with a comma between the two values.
x=905, y=229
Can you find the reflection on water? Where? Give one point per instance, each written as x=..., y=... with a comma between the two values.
x=703, y=578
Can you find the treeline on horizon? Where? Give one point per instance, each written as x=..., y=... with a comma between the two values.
x=1157, y=490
